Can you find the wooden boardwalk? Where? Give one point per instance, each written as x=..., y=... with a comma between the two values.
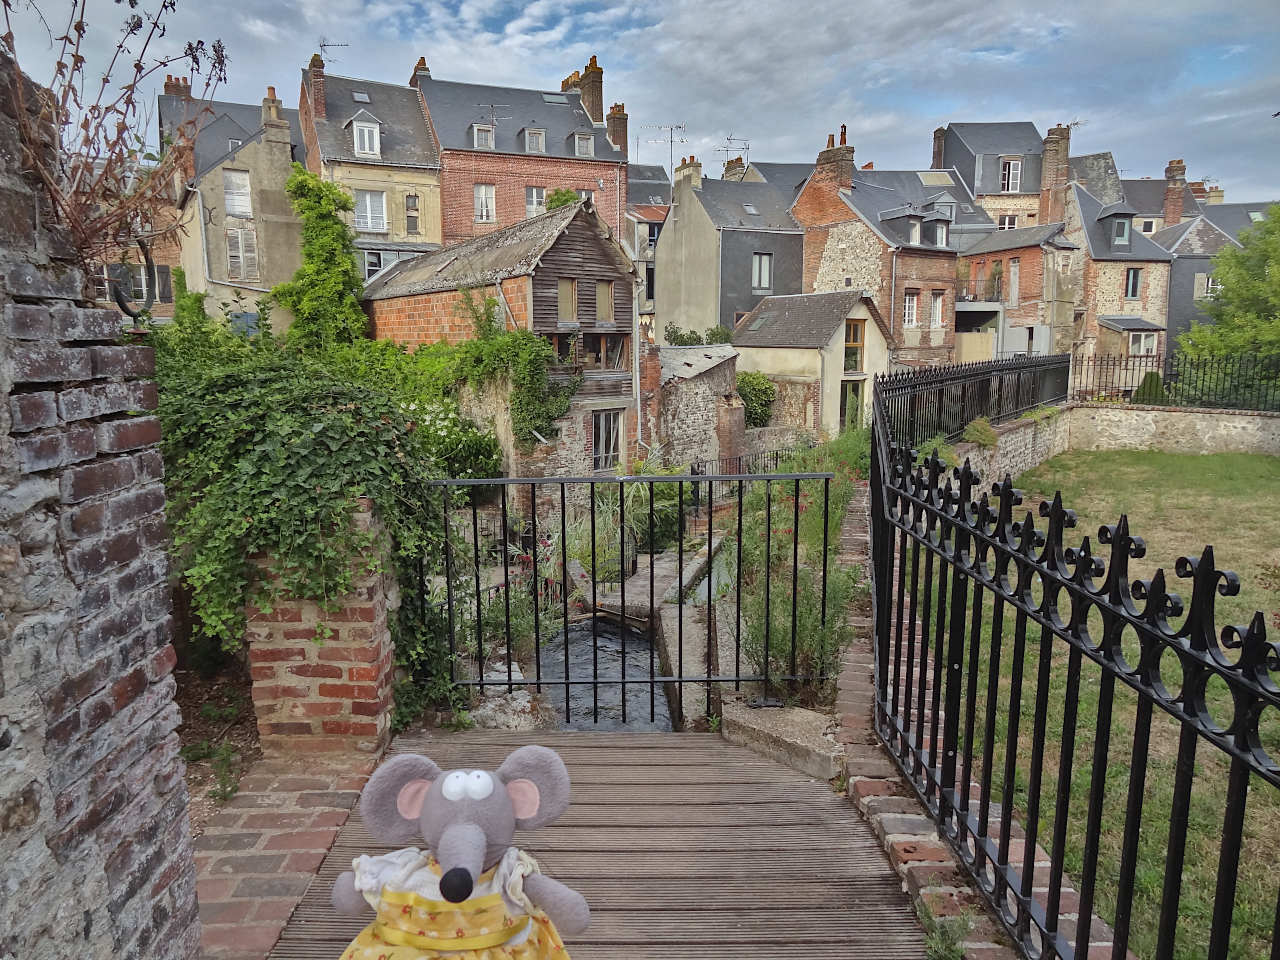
x=684, y=845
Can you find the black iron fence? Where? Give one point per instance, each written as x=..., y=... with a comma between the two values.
x=1227, y=383
x=1026, y=684
x=939, y=401
x=748, y=464
x=617, y=599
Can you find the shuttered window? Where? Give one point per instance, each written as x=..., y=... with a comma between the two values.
x=242, y=254
x=235, y=193
x=604, y=302
x=567, y=300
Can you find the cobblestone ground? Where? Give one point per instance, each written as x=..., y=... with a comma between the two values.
x=259, y=853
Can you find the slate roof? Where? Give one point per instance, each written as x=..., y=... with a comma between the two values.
x=1021, y=237
x=1127, y=324
x=1098, y=174
x=789, y=175
x=1019, y=137
x=682, y=363
x=1233, y=218
x=1170, y=237
x=511, y=252
x=645, y=182
x=1099, y=242
x=723, y=201
x=1147, y=197
x=877, y=193
x=455, y=107
x=404, y=139
x=803, y=321
x=223, y=121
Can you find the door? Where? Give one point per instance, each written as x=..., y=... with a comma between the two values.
x=850, y=404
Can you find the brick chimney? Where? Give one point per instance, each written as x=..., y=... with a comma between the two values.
x=835, y=163
x=1199, y=191
x=869, y=165
x=1054, y=174
x=1214, y=195
x=572, y=82
x=592, y=87
x=177, y=86
x=316, y=70
x=275, y=126
x=734, y=169
x=939, y=145
x=420, y=72
x=616, y=126
x=1175, y=185
x=689, y=171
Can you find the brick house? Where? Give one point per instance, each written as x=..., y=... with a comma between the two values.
x=894, y=234
x=503, y=149
x=561, y=274
x=373, y=138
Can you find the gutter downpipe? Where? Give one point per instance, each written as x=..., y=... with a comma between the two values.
x=893, y=290
x=204, y=250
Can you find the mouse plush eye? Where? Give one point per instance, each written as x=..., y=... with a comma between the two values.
x=479, y=785
x=454, y=786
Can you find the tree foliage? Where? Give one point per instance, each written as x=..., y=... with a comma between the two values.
x=324, y=294
x=561, y=197
x=1246, y=308
x=758, y=393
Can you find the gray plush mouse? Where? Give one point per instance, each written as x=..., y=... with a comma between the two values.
x=470, y=895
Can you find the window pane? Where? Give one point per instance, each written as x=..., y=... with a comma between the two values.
x=235, y=184
x=604, y=302
x=909, y=309
x=605, y=439
x=535, y=199
x=648, y=281
x=853, y=358
x=567, y=307
x=484, y=195
x=371, y=210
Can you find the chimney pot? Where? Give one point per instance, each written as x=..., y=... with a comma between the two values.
x=869, y=165
x=831, y=140
x=939, y=147
x=271, y=92
x=843, y=141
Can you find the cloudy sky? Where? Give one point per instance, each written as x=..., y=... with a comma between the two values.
x=1147, y=80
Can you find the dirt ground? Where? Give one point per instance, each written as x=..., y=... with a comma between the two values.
x=219, y=737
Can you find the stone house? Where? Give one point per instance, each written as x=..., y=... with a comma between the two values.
x=894, y=234
x=1015, y=294
x=561, y=274
x=821, y=350
x=696, y=413
x=374, y=139
x=240, y=236
x=503, y=149
x=1194, y=243
x=725, y=246
x=648, y=202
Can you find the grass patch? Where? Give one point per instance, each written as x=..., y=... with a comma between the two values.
x=1174, y=502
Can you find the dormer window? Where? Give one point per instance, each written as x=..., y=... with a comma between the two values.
x=1121, y=234
x=1011, y=175
x=946, y=209
x=482, y=136
x=535, y=141
x=584, y=145
x=940, y=234
x=915, y=231
x=367, y=139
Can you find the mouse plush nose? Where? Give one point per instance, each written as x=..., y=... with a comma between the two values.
x=456, y=885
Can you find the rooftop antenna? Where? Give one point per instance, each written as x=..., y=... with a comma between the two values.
x=674, y=134
x=736, y=146
x=326, y=45
x=493, y=112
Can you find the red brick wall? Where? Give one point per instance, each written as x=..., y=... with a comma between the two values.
x=307, y=122
x=925, y=272
x=510, y=174
x=431, y=317
x=1030, y=308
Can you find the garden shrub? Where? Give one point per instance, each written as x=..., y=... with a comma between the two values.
x=980, y=432
x=758, y=393
x=681, y=338
x=1151, y=390
x=561, y=197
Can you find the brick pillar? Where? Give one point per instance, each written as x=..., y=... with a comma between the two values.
x=333, y=694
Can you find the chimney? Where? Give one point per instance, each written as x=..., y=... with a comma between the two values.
x=316, y=69
x=1175, y=185
x=572, y=82
x=734, y=169
x=1198, y=190
x=939, y=145
x=1054, y=174
x=420, y=72
x=1215, y=195
x=616, y=127
x=835, y=164
x=177, y=86
x=869, y=165
x=689, y=171
x=592, y=87
x=275, y=126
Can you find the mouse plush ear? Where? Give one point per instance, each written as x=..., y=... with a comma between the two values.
x=537, y=782
x=393, y=798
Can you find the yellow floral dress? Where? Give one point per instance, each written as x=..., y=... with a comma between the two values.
x=415, y=922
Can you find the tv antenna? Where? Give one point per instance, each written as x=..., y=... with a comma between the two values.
x=674, y=134
x=326, y=45
x=1076, y=124
x=492, y=114
x=736, y=147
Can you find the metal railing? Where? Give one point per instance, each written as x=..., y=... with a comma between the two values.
x=1226, y=383
x=958, y=580
x=939, y=401
x=749, y=464
x=524, y=617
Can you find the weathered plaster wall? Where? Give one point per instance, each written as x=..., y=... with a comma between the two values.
x=397, y=183
x=687, y=265
x=95, y=847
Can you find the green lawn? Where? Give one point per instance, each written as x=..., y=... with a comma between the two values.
x=1177, y=503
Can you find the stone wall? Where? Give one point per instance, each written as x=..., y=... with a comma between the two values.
x=768, y=439
x=95, y=846
x=702, y=417
x=1022, y=444
x=1103, y=426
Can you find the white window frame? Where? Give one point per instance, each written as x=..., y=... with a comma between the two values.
x=1011, y=175
x=242, y=253
x=761, y=272
x=586, y=195
x=413, y=213
x=910, y=308
x=541, y=136
x=367, y=220
x=1148, y=226
x=584, y=145
x=914, y=233
x=234, y=144
x=138, y=282
x=1148, y=342
x=940, y=234
x=366, y=139
x=936, y=301
x=485, y=199
x=606, y=426
x=1212, y=285
x=369, y=270
x=535, y=201
x=486, y=129
x=1008, y=221
x=237, y=202
x=1133, y=281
